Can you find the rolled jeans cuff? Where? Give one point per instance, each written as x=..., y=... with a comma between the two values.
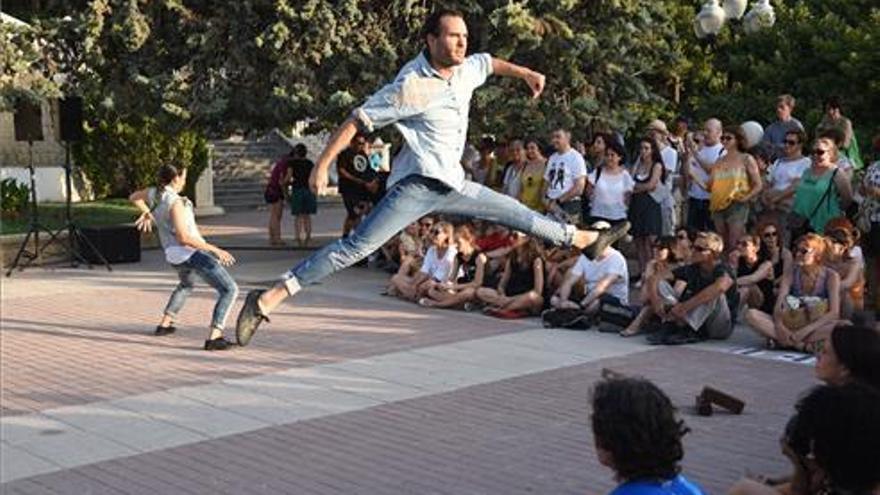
x=291, y=283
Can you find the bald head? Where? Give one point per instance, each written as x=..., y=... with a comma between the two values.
x=712, y=131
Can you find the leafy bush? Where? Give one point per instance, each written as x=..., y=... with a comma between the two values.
x=14, y=197
x=119, y=157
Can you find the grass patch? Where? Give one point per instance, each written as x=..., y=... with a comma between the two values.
x=87, y=214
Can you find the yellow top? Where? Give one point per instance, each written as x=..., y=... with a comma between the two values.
x=532, y=180
x=729, y=184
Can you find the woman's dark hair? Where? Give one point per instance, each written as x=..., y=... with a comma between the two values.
x=656, y=157
x=300, y=150
x=837, y=426
x=166, y=174
x=832, y=101
x=668, y=242
x=858, y=349
x=432, y=23
x=606, y=138
x=635, y=421
x=742, y=143
x=613, y=145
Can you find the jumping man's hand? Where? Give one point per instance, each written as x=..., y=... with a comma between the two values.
x=536, y=81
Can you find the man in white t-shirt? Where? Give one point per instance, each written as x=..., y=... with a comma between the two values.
x=564, y=179
x=697, y=166
x=660, y=134
x=606, y=276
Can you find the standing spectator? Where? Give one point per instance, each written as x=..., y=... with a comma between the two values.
x=606, y=279
x=870, y=189
x=733, y=183
x=783, y=178
x=512, y=184
x=776, y=133
x=485, y=169
x=799, y=321
x=564, y=179
x=657, y=131
x=701, y=299
x=822, y=193
x=834, y=121
x=610, y=186
x=532, y=178
x=275, y=193
x=357, y=181
x=696, y=169
x=679, y=135
x=596, y=152
x=303, y=203
x=649, y=192
x=636, y=434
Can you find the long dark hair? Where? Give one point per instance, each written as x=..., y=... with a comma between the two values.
x=656, y=157
x=858, y=349
x=166, y=174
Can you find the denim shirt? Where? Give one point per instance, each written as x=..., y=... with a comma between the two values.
x=432, y=115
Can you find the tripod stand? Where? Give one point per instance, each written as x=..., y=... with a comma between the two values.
x=34, y=227
x=75, y=237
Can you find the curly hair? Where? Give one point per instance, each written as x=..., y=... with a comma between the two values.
x=838, y=427
x=635, y=422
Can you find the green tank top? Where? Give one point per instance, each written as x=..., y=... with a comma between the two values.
x=810, y=191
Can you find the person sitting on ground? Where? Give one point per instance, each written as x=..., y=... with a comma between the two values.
x=754, y=274
x=470, y=265
x=808, y=304
x=831, y=442
x=850, y=354
x=405, y=251
x=606, y=279
x=636, y=433
x=684, y=239
x=521, y=287
x=186, y=251
x=558, y=261
x=496, y=242
x=773, y=250
x=662, y=263
x=701, y=300
x=845, y=257
x=436, y=267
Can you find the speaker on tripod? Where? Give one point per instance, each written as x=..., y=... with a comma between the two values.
x=79, y=245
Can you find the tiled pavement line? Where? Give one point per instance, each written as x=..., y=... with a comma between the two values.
x=525, y=435
x=73, y=436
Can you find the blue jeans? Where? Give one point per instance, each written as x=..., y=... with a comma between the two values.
x=211, y=271
x=410, y=199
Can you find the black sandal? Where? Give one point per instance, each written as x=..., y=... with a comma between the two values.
x=218, y=344
x=160, y=330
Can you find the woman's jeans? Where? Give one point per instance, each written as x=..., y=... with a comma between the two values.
x=211, y=271
x=410, y=199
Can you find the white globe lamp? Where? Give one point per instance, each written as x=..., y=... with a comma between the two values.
x=734, y=9
x=711, y=18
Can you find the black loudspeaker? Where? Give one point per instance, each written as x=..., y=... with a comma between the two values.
x=28, y=121
x=118, y=244
x=70, y=115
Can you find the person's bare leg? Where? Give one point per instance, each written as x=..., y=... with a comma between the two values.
x=529, y=302
x=438, y=298
x=491, y=297
x=275, y=211
x=167, y=321
x=635, y=327
x=761, y=323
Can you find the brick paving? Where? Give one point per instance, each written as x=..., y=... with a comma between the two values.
x=523, y=435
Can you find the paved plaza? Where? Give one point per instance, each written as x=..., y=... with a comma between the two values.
x=346, y=391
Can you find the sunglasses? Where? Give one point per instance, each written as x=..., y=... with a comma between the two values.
x=682, y=237
x=770, y=233
x=790, y=142
x=803, y=250
x=702, y=249
x=726, y=138
x=436, y=231
x=819, y=152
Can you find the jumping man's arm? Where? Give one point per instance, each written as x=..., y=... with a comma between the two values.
x=338, y=142
x=534, y=79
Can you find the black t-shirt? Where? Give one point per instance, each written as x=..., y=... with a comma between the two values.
x=301, y=169
x=697, y=280
x=358, y=165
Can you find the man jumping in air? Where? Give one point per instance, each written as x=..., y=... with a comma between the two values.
x=428, y=102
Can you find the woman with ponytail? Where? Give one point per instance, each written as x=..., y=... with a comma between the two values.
x=187, y=252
